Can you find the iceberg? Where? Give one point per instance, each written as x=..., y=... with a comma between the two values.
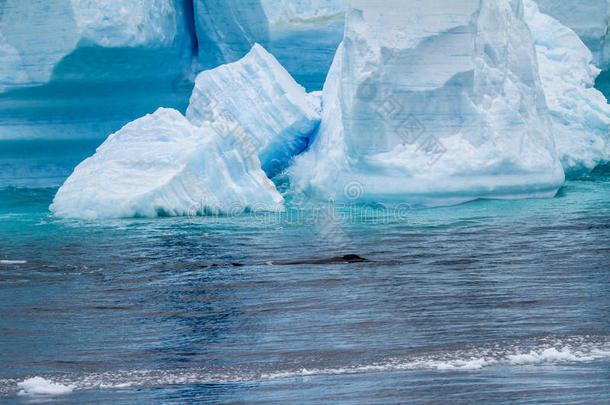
x=432, y=104
x=589, y=19
x=162, y=165
x=302, y=34
x=265, y=107
x=580, y=113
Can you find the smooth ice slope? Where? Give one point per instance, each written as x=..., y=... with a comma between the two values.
x=161, y=164
x=302, y=34
x=580, y=113
x=266, y=108
x=589, y=19
x=433, y=103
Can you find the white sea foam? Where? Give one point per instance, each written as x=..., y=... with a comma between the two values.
x=42, y=386
x=550, y=350
x=13, y=261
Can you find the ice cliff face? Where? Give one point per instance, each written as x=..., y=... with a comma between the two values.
x=264, y=105
x=580, y=113
x=434, y=103
x=162, y=165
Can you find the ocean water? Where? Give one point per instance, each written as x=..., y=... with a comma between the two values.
x=504, y=302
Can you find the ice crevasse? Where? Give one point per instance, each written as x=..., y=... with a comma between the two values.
x=434, y=104
x=167, y=165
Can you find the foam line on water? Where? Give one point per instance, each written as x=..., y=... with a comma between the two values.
x=576, y=349
x=9, y=262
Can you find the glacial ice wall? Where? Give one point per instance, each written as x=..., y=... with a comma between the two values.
x=43, y=33
x=77, y=68
x=430, y=104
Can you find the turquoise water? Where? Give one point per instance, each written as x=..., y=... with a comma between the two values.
x=491, y=301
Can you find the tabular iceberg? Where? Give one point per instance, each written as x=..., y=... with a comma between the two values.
x=263, y=105
x=580, y=113
x=162, y=165
x=433, y=104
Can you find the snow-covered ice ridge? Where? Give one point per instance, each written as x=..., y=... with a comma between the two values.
x=580, y=114
x=589, y=19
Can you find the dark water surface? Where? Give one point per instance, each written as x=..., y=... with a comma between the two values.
x=491, y=302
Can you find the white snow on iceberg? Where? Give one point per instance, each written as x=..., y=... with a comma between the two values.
x=589, y=19
x=162, y=165
x=264, y=105
x=580, y=113
x=437, y=103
